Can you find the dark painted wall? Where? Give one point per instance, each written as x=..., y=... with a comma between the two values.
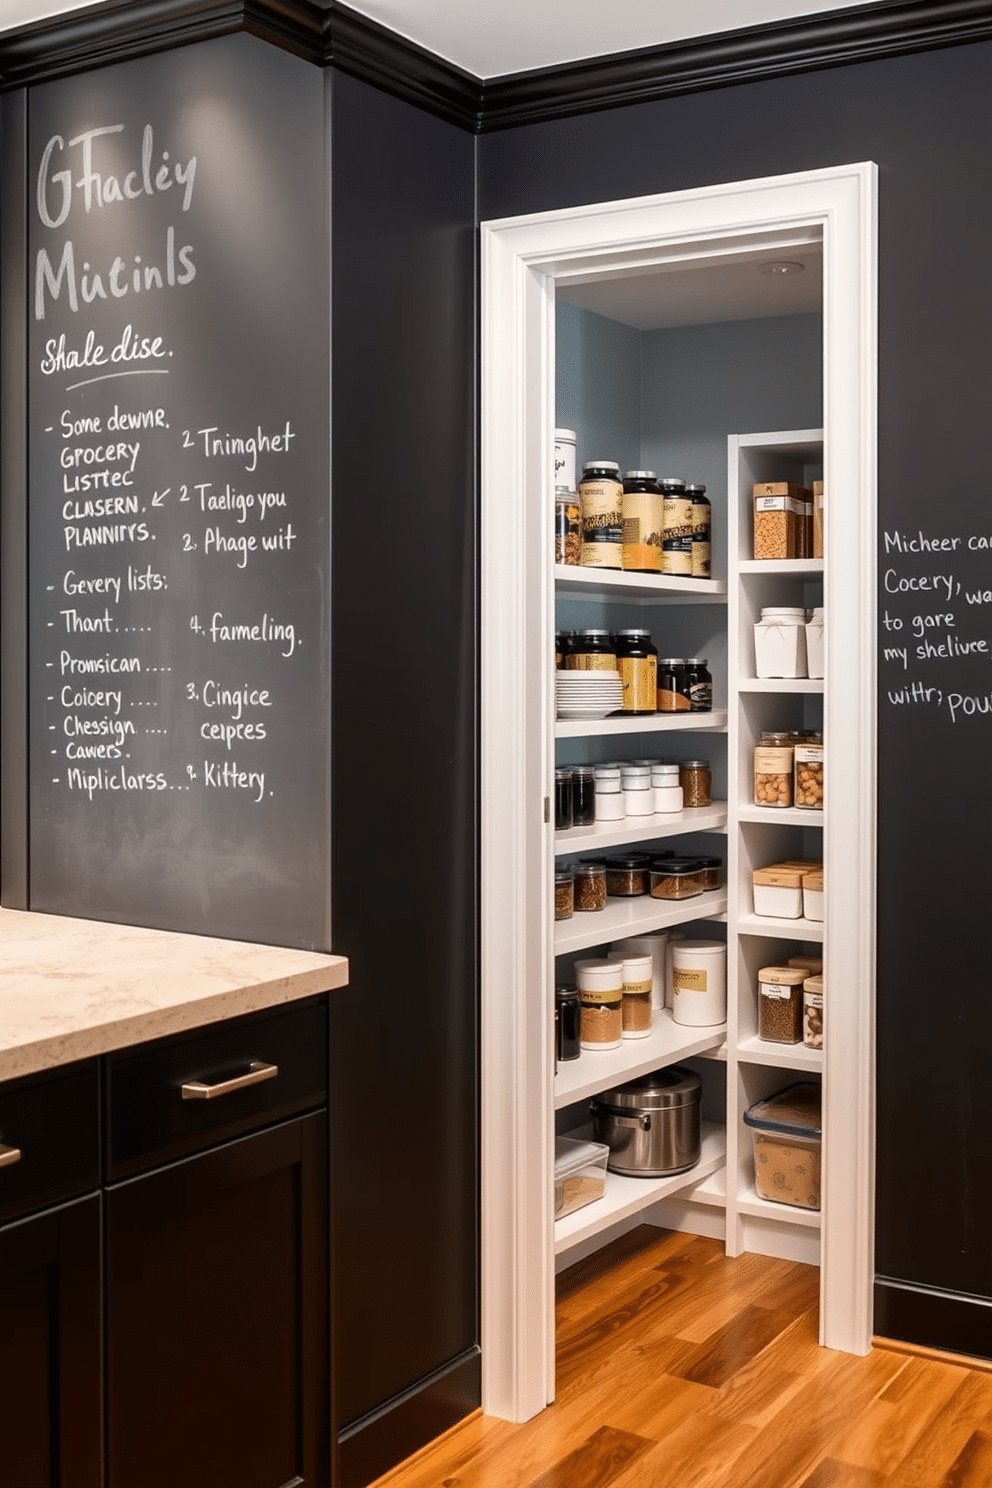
x=404, y=793
x=925, y=120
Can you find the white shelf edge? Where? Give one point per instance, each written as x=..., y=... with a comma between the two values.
x=806, y=685
x=627, y=1196
x=623, y=917
x=798, y=816
x=709, y=1190
x=753, y=924
x=644, y=723
x=789, y=567
x=749, y=1203
x=575, y=582
x=781, y=1056
x=596, y=1070
x=664, y=824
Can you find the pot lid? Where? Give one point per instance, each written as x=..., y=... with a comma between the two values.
x=674, y=1086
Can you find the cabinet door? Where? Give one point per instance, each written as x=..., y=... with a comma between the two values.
x=50, y=1349
x=217, y=1317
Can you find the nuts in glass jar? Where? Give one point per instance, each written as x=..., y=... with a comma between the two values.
x=590, y=886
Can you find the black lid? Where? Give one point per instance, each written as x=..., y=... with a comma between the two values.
x=673, y=483
x=633, y=633
x=628, y=860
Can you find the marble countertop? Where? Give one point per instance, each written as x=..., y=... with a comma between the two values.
x=71, y=989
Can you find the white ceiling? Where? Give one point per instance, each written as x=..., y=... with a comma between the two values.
x=515, y=35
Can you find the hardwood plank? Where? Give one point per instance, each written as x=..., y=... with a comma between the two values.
x=599, y=1461
x=973, y=1463
x=882, y=1436
x=689, y=1455
x=941, y=1444
x=733, y=1345
x=833, y=1474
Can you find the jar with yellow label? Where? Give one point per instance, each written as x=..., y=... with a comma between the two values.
x=676, y=537
x=601, y=494
x=637, y=663
x=600, y=984
x=591, y=651
x=643, y=522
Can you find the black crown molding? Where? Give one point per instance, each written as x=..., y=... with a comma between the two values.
x=836, y=38
x=331, y=34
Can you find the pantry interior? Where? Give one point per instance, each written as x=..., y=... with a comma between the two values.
x=648, y=328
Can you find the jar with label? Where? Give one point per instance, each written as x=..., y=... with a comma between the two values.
x=601, y=492
x=676, y=538
x=637, y=663
x=591, y=651
x=808, y=773
x=635, y=1009
x=568, y=527
x=565, y=443
x=773, y=766
x=569, y=1015
x=643, y=522
x=699, y=982
x=600, y=984
x=780, y=642
x=696, y=780
x=590, y=886
x=564, y=893
x=583, y=796
x=672, y=696
x=813, y=1012
x=780, y=1004
x=563, y=800
x=701, y=531
x=698, y=684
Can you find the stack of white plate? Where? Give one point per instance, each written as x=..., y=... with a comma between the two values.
x=588, y=694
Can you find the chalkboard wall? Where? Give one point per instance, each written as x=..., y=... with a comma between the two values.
x=177, y=293
x=924, y=120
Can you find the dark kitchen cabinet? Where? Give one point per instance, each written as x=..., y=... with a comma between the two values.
x=216, y=1264
x=50, y=1282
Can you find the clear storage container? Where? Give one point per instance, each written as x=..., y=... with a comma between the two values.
x=580, y=1174
x=786, y=1134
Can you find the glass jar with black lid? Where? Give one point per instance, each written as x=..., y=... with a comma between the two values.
x=591, y=651
x=701, y=530
x=637, y=663
x=672, y=697
x=698, y=684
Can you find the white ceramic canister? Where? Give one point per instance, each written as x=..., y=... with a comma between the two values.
x=780, y=643
x=638, y=796
x=666, y=788
x=600, y=984
x=565, y=459
x=814, y=643
x=609, y=794
x=655, y=945
x=699, y=982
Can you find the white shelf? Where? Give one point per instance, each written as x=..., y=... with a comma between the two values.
x=750, y=1203
x=644, y=723
x=627, y=1196
x=643, y=828
x=752, y=924
x=601, y=1069
x=781, y=1056
x=791, y=567
x=781, y=684
x=623, y=917
x=573, y=582
x=774, y=816
x=709, y=1190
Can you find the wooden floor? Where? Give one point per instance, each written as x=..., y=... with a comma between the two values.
x=680, y=1368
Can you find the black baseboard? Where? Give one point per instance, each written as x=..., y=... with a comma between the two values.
x=370, y=1447
x=949, y=1321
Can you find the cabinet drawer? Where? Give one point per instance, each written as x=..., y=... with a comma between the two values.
x=53, y=1122
x=190, y=1092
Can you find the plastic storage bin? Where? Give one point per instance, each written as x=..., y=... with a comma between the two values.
x=580, y=1174
x=785, y=1130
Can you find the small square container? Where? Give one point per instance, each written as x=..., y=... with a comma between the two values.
x=676, y=878
x=580, y=1174
x=786, y=1133
x=813, y=894
x=778, y=891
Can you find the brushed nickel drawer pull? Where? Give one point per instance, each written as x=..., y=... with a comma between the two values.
x=9, y=1156
x=256, y=1073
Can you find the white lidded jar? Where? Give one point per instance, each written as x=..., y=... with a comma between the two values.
x=638, y=976
x=653, y=944
x=638, y=796
x=780, y=642
x=814, y=643
x=699, y=982
x=666, y=788
x=600, y=984
x=565, y=459
x=609, y=794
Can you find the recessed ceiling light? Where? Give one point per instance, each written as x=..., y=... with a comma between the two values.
x=779, y=267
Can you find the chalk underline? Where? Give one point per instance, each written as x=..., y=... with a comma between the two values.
x=109, y=376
